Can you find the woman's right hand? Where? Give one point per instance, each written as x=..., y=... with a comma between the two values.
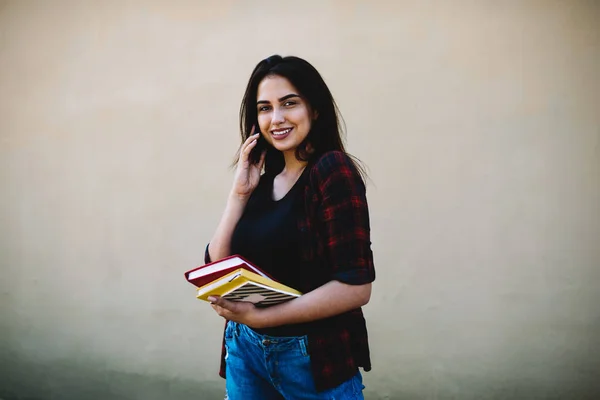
x=247, y=175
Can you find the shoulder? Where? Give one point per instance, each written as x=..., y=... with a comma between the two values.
x=335, y=167
x=332, y=161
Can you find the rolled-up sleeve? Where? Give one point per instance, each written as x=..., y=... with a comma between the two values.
x=344, y=218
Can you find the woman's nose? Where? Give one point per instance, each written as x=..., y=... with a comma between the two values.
x=278, y=116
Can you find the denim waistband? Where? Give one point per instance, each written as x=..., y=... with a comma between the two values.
x=274, y=343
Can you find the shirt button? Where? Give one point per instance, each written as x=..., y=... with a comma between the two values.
x=266, y=342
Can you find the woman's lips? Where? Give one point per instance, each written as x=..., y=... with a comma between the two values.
x=280, y=134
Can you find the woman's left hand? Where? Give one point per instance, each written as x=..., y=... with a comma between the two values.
x=242, y=312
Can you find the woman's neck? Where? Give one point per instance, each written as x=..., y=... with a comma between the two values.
x=292, y=166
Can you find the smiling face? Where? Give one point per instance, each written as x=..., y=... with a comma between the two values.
x=284, y=117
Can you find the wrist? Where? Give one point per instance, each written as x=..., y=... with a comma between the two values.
x=237, y=200
x=259, y=318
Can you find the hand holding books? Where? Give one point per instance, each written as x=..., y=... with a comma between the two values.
x=236, y=279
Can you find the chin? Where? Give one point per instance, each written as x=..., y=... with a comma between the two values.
x=285, y=149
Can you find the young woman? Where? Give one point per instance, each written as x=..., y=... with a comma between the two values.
x=305, y=222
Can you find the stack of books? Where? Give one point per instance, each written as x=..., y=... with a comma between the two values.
x=236, y=279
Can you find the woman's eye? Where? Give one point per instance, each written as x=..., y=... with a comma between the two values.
x=263, y=108
x=289, y=103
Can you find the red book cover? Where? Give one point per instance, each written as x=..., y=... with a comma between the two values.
x=207, y=273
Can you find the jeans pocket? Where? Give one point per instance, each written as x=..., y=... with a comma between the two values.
x=357, y=384
x=229, y=330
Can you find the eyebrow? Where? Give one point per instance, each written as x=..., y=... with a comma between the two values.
x=287, y=96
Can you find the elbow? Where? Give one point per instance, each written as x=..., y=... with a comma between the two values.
x=355, y=296
x=364, y=294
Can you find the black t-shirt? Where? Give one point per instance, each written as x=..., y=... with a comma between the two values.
x=267, y=235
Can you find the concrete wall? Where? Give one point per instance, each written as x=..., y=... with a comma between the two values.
x=479, y=122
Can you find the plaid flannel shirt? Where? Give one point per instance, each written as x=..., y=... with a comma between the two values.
x=335, y=233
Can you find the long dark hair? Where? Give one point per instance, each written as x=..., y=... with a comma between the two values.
x=326, y=130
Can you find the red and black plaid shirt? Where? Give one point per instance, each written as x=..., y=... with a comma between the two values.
x=335, y=233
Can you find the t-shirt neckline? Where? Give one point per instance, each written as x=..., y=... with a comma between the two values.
x=292, y=189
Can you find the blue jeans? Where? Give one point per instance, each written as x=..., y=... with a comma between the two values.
x=261, y=367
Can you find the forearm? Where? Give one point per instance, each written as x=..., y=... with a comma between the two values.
x=329, y=300
x=220, y=244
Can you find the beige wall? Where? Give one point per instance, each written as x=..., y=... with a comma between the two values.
x=479, y=122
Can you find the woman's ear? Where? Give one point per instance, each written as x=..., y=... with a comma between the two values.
x=315, y=115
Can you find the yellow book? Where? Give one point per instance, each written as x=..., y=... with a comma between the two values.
x=243, y=285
